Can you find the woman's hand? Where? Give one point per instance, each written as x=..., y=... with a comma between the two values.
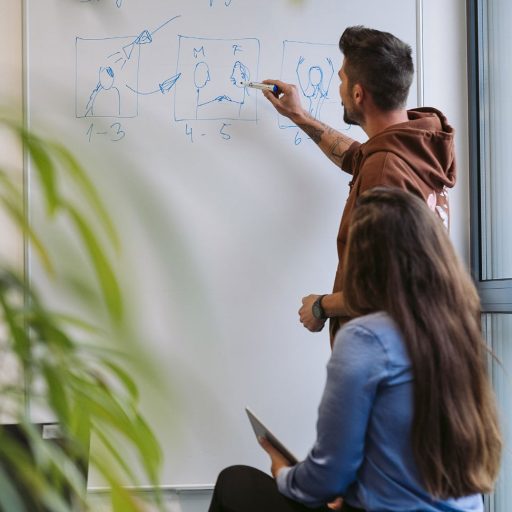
x=336, y=504
x=279, y=461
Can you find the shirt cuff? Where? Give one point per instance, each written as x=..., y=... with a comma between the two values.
x=282, y=479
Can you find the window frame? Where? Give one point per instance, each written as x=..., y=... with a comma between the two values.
x=495, y=294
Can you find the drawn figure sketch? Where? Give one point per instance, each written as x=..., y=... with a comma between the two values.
x=315, y=84
x=312, y=67
x=201, y=79
x=105, y=98
x=239, y=74
x=211, y=75
x=106, y=76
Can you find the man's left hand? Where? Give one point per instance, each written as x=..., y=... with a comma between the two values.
x=306, y=314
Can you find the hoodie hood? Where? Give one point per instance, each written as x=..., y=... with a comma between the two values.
x=425, y=142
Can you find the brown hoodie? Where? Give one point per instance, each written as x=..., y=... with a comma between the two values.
x=417, y=156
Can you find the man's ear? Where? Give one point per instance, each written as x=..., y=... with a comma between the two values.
x=357, y=94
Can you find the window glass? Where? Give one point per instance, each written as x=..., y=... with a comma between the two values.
x=497, y=329
x=496, y=143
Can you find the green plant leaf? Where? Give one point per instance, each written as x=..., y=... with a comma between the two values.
x=103, y=406
x=75, y=321
x=20, y=339
x=150, y=450
x=84, y=386
x=10, y=499
x=104, y=272
x=118, y=457
x=80, y=176
x=18, y=216
x=45, y=168
x=123, y=501
x=53, y=456
x=48, y=333
x=123, y=376
x=57, y=395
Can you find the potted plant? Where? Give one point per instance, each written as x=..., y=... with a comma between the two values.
x=63, y=363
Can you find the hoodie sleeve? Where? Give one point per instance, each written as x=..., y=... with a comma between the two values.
x=357, y=365
x=349, y=159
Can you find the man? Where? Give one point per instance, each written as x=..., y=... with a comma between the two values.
x=412, y=150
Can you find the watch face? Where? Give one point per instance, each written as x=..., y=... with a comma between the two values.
x=318, y=311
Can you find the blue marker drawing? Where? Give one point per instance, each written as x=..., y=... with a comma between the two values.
x=310, y=66
x=164, y=87
x=102, y=71
x=314, y=84
x=107, y=75
x=211, y=72
x=202, y=77
x=227, y=3
x=239, y=75
x=201, y=80
x=105, y=98
x=224, y=134
x=119, y=3
x=198, y=51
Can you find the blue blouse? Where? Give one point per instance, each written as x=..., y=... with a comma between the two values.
x=363, y=447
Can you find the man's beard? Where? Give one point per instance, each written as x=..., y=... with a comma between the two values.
x=349, y=118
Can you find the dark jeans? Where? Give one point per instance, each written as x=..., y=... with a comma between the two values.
x=246, y=489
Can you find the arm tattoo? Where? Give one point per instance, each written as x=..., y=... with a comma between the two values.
x=336, y=150
x=314, y=133
x=337, y=143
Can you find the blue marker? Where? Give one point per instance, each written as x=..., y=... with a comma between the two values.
x=262, y=87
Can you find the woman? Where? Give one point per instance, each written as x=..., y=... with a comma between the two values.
x=407, y=421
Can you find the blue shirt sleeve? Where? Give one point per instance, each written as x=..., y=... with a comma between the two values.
x=357, y=365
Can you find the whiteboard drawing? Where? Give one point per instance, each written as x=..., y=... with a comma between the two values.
x=104, y=69
x=107, y=75
x=227, y=3
x=314, y=84
x=211, y=72
x=311, y=66
x=119, y=3
x=105, y=98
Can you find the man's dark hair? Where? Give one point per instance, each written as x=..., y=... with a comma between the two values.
x=380, y=62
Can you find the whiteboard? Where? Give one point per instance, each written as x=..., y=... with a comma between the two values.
x=243, y=206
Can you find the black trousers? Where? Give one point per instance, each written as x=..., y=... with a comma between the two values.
x=247, y=489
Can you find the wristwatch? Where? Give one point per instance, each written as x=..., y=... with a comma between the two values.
x=318, y=310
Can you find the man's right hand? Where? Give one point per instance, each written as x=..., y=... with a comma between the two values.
x=286, y=101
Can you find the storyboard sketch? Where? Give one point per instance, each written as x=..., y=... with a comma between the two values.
x=107, y=75
x=211, y=75
x=313, y=67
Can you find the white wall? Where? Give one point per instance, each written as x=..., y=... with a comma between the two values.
x=445, y=87
x=11, y=246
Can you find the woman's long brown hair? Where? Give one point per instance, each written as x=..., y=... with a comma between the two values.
x=400, y=260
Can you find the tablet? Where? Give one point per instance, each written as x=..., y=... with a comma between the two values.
x=261, y=431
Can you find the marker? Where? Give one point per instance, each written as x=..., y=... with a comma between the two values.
x=262, y=87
